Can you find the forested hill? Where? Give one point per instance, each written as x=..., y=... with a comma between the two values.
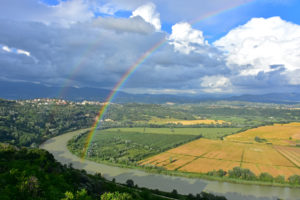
x=34, y=174
x=26, y=124
x=29, y=123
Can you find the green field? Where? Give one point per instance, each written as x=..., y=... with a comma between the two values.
x=129, y=145
x=210, y=133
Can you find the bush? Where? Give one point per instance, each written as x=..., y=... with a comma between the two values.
x=219, y=173
x=279, y=179
x=260, y=140
x=238, y=172
x=266, y=177
x=116, y=196
x=295, y=179
x=130, y=183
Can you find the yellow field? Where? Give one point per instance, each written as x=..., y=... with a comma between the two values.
x=280, y=134
x=292, y=153
x=155, y=120
x=204, y=155
x=205, y=165
x=199, y=121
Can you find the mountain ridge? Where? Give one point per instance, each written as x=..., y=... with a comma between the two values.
x=20, y=91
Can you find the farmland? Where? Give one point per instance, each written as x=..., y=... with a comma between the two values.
x=117, y=146
x=130, y=145
x=200, y=140
x=155, y=120
x=238, y=150
x=280, y=134
x=212, y=133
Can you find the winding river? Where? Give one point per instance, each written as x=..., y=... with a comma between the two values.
x=58, y=147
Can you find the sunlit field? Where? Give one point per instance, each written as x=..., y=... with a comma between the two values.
x=238, y=150
x=186, y=122
x=280, y=134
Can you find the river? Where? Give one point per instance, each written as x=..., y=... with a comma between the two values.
x=58, y=147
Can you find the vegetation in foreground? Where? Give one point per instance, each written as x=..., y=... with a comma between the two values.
x=34, y=174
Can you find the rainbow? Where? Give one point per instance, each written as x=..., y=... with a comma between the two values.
x=77, y=68
x=133, y=68
x=114, y=91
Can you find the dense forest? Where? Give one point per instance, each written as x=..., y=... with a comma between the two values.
x=29, y=124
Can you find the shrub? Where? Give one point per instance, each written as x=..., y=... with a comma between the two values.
x=238, y=172
x=266, y=177
x=116, y=196
x=294, y=179
x=279, y=179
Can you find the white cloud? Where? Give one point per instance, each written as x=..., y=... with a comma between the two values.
x=68, y=12
x=6, y=48
x=183, y=37
x=149, y=14
x=65, y=13
x=262, y=44
x=20, y=51
x=218, y=83
x=14, y=50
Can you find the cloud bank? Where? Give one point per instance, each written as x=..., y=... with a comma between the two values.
x=68, y=44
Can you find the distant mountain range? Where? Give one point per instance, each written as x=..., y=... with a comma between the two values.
x=18, y=91
x=280, y=98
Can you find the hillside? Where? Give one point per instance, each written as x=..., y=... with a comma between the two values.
x=34, y=174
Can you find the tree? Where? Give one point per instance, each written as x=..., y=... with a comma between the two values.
x=30, y=186
x=116, y=196
x=241, y=173
x=130, y=183
x=80, y=195
x=174, y=193
x=266, y=177
x=279, y=179
x=294, y=179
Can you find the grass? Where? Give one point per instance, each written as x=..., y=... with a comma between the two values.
x=211, y=133
x=156, y=120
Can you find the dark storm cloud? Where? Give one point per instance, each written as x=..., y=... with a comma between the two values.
x=54, y=46
x=102, y=55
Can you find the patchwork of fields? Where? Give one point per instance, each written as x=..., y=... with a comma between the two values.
x=277, y=155
x=130, y=145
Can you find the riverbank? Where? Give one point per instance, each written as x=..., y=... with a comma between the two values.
x=57, y=146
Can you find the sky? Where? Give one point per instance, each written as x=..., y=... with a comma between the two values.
x=207, y=47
